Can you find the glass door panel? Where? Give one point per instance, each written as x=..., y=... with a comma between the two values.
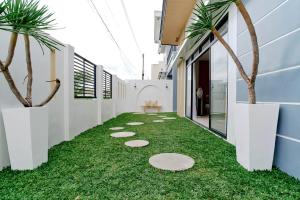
x=218, y=110
x=188, y=102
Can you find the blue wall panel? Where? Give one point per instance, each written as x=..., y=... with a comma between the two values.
x=258, y=9
x=287, y=156
x=278, y=55
x=289, y=121
x=276, y=87
x=273, y=26
x=278, y=28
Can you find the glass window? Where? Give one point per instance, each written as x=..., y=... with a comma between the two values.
x=219, y=65
x=188, y=102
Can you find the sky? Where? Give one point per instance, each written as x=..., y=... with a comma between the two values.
x=82, y=28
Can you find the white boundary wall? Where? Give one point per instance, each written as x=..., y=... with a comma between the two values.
x=68, y=116
x=153, y=90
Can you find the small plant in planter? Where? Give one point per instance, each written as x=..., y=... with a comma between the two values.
x=26, y=128
x=255, y=123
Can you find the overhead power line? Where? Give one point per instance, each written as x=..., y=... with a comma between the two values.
x=130, y=26
x=105, y=25
x=111, y=35
x=112, y=14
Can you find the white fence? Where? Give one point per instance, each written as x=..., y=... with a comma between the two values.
x=69, y=116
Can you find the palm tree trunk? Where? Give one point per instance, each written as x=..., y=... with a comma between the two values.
x=51, y=95
x=232, y=54
x=252, y=93
x=29, y=70
x=5, y=70
x=12, y=85
x=11, y=49
x=253, y=36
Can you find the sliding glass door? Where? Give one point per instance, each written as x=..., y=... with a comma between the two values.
x=218, y=88
x=188, y=91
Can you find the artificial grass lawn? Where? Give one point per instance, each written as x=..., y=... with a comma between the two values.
x=96, y=166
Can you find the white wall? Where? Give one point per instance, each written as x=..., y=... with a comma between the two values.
x=83, y=113
x=109, y=106
x=160, y=90
x=56, y=106
x=83, y=116
x=121, y=96
x=107, y=110
x=156, y=68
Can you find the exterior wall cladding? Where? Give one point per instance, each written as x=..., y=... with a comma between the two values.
x=278, y=28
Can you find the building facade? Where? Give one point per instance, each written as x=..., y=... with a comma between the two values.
x=156, y=70
x=164, y=70
x=208, y=85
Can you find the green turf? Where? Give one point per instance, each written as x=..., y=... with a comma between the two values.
x=96, y=166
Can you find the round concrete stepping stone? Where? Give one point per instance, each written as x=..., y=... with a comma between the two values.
x=116, y=128
x=135, y=123
x=152, y=114
x=158, y=121
x=137, y=143
x=172, y=162
x=138, y=113
x=169, y=118
x=122, y=134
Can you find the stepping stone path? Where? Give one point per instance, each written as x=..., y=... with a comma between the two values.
x=138, y=113
x=152, y=114
x=158, y=121
x=137, y=143
x=164, y=161
x=122, y=134
x=135, y=123
x=167, y=118
x=172, y=162
x=116, y=128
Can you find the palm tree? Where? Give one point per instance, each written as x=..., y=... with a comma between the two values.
x=207, y=16
x=27, y=18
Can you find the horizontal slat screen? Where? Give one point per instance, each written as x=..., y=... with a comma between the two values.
x=84, y=78
x=107, y=85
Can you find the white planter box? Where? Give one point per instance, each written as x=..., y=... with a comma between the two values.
x=255, y=131
x=27, y=136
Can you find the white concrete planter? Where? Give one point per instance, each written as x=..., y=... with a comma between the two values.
x=27, y=136
x=255, y=131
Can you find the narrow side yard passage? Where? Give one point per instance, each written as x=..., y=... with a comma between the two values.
x=97, y=166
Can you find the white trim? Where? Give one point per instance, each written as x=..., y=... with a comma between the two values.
x=274, y=72
x=265, y=16
x=288, y=138
x=282, y=103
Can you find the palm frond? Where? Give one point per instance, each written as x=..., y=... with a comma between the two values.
x=217, y=5
x=2, y=9
x=207, y=16
x=203, y=21
x=28, y=17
